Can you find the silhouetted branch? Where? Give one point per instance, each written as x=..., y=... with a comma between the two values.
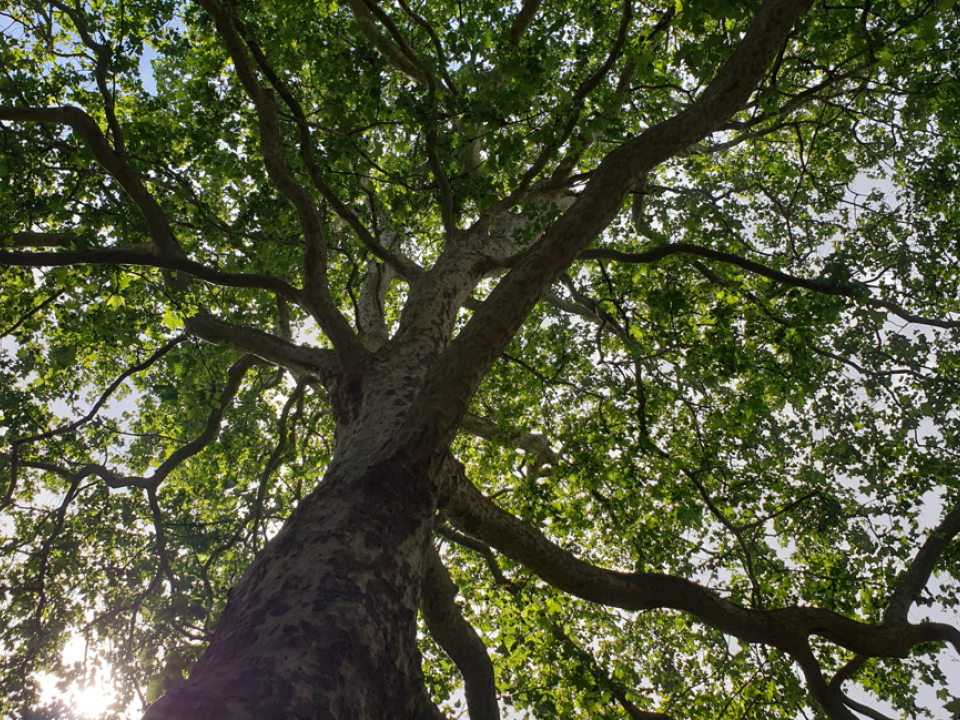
x=115, y=164
x=523, y=20
x=146, y=259
x=207, y=435
x=848, y=291
x=69, y=427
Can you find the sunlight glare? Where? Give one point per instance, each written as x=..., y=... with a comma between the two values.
x=91, y=700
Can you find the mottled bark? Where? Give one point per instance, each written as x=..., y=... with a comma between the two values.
x=323, y=624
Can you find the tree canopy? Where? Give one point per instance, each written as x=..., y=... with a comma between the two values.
x=643, y=316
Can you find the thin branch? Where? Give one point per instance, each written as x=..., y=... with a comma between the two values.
x=835, y=687
x=481, y=549
x=831, y=700
x=906, y=590
x=848, y=291
x=863, y=709
x=254, y=513
x=210, y=431
x=909, y=316
x=276, y=457
x=30, y=313
x=737, y=533
x=212, y=428
x=584, y=140
x=128, y=257
x=585, y=88
x=160, y=535
x=110, y=478
x=139, y=367
x=70, y=427
x=663, y=251
x=47, y=545
x=602, y=678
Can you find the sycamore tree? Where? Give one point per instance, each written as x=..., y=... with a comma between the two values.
x=421, y=359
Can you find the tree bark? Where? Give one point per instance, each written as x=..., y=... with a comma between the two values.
x=323, y=625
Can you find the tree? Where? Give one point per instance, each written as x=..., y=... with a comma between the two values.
x=600, y=357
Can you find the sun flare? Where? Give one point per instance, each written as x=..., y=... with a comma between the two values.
x=88, y=699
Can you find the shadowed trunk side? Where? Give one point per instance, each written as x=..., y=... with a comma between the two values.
x=323, y=624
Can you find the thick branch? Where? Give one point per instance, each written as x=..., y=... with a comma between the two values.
x=786, y=628
x=458, y=639
x=455, y=377
x=316, y=289
x=523, y=20
x=534, y=443
x=914, y=580
x=371, y=318
x=443, y=182
x=129, y=179
x=38, y=239
x=298, y=359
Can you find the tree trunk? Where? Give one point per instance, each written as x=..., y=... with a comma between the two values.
x=324, y=623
